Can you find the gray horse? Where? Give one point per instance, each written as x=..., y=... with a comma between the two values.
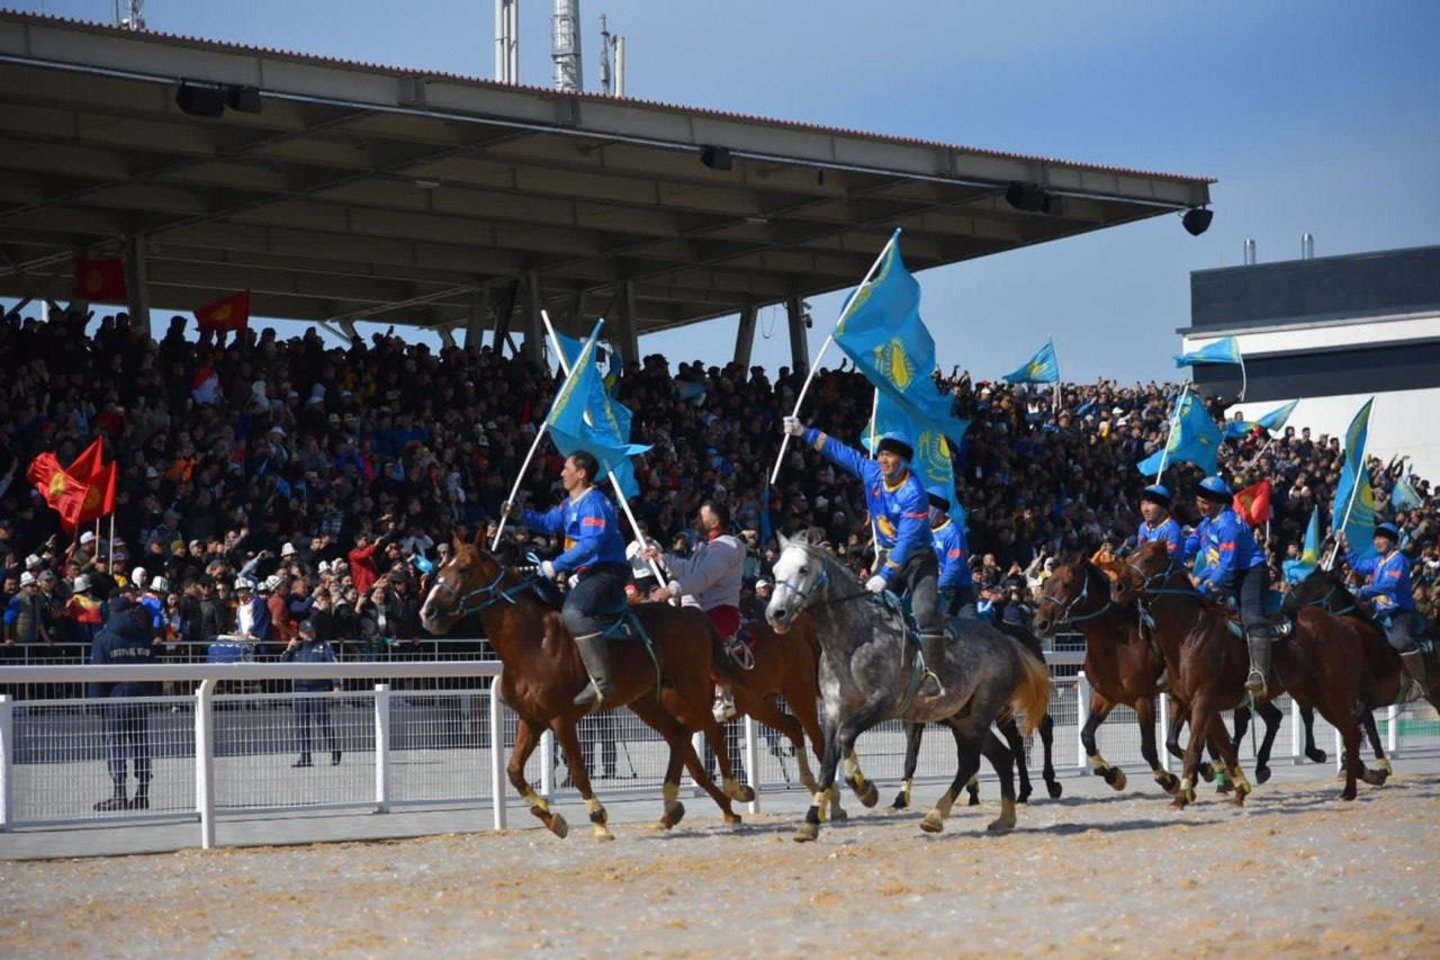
x=867, y=674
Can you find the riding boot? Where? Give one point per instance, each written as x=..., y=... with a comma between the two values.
x=595, y=655
x=117, y=800
x=141, y=800
x=1414, y=662
x=1259, y=641
x=934, y=645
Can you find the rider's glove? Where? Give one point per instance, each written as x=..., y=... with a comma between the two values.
x=547, y=570
x=794, y=427
x=876, y=584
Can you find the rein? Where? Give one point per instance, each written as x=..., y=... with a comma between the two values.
x=1067, y=615
x=491, y=593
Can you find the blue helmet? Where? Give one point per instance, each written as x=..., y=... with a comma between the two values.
x=898, y=444
x=1388, y=529
x=1213, y=488
x=1157, y=493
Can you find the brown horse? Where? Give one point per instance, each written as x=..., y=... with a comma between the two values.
x=1319, y=664
x=543, y=673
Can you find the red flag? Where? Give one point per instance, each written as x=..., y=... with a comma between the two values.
x=100, y=281
x=226, y=314
x=1253, y=503
x=61, y=491
x=88, y=466
x=99, y=498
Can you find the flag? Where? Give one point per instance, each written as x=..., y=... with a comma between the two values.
x=62, y=492
x=1253, y=503
x=880, y=330
x=1274, y=421
x=100, y=281
x=1225, y=350
x=605, y=409
x=600, y=433
x=570, y=349
x=1403, y=495
x=205, y=385
x=1297, y=570
x=226, y=314
x=99, y=497
x=1194, y=438
x=1044, y=367
x=89, y=466
x=1354, y=508
x=932, y=463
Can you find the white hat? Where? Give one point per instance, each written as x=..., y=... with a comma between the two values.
x=33, y=561
x=82, y=583
x=324, y=566
x=160, y=585
x=288, y=550
x=87, y=537
x=271, y=582
x=138, y=575
x=27, y=578
x=241, y=583
x=762, y=582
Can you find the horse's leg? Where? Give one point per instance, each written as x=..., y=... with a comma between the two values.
x=1230, y=759
x=527, y=737
x=1047, y=741
x=1003, y=761
x=913, y=733
x=1312, y=753
x=1010, y=730
x=865, y=790
x=1178, y=718
x=678, y=738
x=839, y=742
x=967, y=755
x=1272, y=716
x=1145, y=716
x=1366, y=719
x=569, y=738
x=768, y=712
x=1200, y=716
x=1100, y=709
x=715, y=735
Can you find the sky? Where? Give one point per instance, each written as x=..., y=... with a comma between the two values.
x=1314, y=117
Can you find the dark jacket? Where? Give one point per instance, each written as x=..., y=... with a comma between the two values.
x=317, y=651
x=125, y=640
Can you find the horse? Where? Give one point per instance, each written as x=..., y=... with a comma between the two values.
x=670, y=693
x=1386, y=680
x=1319, y=664
x=870, y=671
x=1124, y=667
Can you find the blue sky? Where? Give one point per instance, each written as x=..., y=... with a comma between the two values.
x=1319, y=117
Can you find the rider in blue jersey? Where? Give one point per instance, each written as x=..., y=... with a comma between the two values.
x=952, y=551
x=1156, y=522
x=1390, y=590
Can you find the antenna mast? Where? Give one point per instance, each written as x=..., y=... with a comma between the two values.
x=565, y=46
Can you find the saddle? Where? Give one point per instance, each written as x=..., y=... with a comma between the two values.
x=623, y=623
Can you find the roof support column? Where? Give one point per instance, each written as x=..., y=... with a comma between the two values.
x=135, y=281
x=533, y=348
x=745, y=335
x=623, y=335
x=799, y=343
x=475, y=323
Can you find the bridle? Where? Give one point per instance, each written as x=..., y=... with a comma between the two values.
x=1068, y=617
x=488, y=595
x=821, y=582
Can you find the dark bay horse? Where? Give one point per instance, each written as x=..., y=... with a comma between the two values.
x=1319, y=664
x=543, y=673
x=868, y=673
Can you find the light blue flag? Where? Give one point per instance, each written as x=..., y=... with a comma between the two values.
x=600, y=434
x=1225, y=350
x=570, y=347
x=880, y=330
x=1354, y=508
x=1274, y=421
x=1044, y=367
x=1403, y=496
x=1297, y=570
x=1194, y=438
x=932, y=463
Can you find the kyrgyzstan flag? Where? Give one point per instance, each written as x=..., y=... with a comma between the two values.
x=88, y=467
x=99, y=500
x=100, y=281
x=62, y=492
x=227, y=314
x=1253, y=503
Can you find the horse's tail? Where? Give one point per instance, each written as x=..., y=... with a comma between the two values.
x=1031, y=695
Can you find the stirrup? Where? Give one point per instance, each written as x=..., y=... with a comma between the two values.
x=1251, y=683
x=739, y=651
x=939, y=687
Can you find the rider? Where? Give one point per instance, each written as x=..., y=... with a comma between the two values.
x=710, y=579
x=952, y=551
x=1235, y=567
x=898, y=503
x=595, y=553
x=1389, y=587
x=1157, y=523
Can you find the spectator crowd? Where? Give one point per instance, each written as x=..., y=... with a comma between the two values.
x=265, y=483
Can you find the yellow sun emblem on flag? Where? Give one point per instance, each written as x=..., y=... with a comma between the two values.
x=222, y=314
x=94, y=281
x=57, y=485
x=892, y=361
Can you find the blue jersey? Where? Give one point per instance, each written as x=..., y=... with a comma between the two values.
x=1389, y=580
x=1227, y=548
x=901, y=511
x=590, y=527
x=953, y=552
x=1169, y=531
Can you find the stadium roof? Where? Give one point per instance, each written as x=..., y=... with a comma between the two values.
x=406, y=196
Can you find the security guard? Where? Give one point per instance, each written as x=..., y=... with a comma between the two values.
x=304, y=647
x=125, y=641
x=1390, y=589
x=1235, y=567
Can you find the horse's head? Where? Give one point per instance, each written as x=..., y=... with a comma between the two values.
x=1068, y=596
x=1322, y=588
x=460, y=587
x=799, y=573
x=1137, y=571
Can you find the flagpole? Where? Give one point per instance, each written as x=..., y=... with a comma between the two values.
x=1173, y=415
x=815, y=366
x=539, y=435
x=1354, y=490
x=1243, y=381
x=112, y=540
x=1050, y=339
x=874, y=526
x=554, y=342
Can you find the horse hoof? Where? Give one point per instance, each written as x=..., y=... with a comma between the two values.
x=743, y=794
x=602, y=832
x=901, y=802
x=674, y=813
x=1262, y=774
x=868, y=795
x=1055, y=789
x=974, y=800
x=1316, y=755
x=807, y=832
x=558, y=826
x=1023, y=796
x=1168, y=782
x=1115, y=777
x=1000, y=825
x=838, y=814
x=1376, y=777
x=732, y=819
x=1207, y=772
x=933, y=822
x=1348, y=793
x=1384, y=764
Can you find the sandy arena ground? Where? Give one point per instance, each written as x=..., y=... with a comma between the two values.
x=1293, y=874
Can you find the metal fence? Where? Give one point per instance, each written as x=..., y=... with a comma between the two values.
x=405, y=742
